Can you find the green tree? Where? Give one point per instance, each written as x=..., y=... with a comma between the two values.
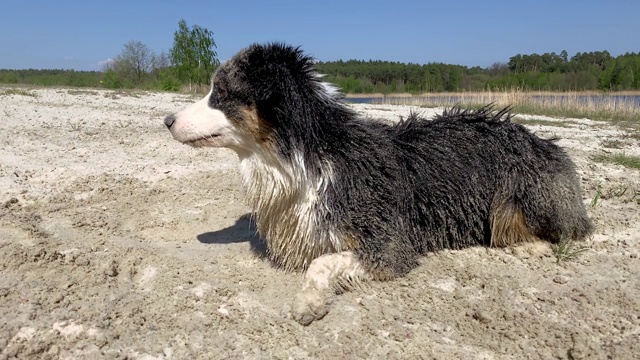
x=193, y=54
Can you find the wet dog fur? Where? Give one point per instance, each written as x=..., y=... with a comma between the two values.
x=350, y=199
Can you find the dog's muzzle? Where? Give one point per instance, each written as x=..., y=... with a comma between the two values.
x=169, y=120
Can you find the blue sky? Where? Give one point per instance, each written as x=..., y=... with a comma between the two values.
x=81, y=34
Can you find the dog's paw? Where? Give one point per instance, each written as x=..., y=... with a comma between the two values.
x=310, y=305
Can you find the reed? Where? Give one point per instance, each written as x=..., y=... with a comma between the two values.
x=15, y=91
x=619, y=108
x=620, y=158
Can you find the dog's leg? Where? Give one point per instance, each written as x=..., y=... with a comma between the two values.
x=323, y=276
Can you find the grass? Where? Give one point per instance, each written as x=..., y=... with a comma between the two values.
x=187, y=98
x=21, y=92
x=123, y=124
x=75, y=126
x=597, y=197
x=567, y=250
x=635, y=135
x=620, y=158
x=592, y=105
x=613, y=144
x=624, y=193
x=117, y=94
x=556, y=123
x=82, y=92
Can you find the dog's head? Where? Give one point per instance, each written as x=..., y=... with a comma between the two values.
x=261, y=96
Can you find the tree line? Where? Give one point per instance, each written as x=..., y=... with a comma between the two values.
x=52, y=77
x=189, y=63
x=193, y=58
x=547, y=72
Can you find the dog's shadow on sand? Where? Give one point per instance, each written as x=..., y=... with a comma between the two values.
x=242, y=231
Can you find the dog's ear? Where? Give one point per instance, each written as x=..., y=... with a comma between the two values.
x=283, y=82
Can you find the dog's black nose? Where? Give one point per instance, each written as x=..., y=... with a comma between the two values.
x=169, y=120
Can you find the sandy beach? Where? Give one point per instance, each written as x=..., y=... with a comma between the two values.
x=117, y=242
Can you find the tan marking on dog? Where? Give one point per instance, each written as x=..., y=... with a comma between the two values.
x=509, y=227
x=350, y=242
x=255, y=125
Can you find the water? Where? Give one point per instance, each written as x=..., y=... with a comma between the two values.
x=364, y=100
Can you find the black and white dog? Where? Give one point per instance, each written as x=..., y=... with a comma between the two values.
x=351, y=199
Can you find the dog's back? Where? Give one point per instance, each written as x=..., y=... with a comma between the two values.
x=471, y=178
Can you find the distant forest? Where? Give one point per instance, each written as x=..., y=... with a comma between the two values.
x=547, y=72
x=56, y=77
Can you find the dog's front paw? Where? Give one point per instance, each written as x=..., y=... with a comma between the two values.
x=310, y=305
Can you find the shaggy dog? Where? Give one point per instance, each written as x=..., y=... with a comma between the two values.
x=351, y=199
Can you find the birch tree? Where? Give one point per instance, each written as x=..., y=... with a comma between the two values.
x=193, y=54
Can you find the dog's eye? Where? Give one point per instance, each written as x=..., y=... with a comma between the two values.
x=221, y=90
x=217, y=95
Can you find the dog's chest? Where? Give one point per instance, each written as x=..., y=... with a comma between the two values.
x=289, y=212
